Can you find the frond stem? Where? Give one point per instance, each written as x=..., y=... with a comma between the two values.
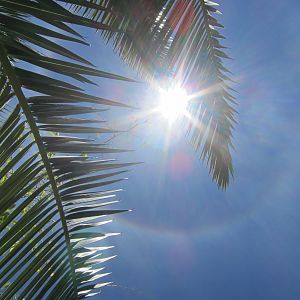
x=11, y=75
x=208, y=34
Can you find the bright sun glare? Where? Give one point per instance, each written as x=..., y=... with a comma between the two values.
x=173, y=103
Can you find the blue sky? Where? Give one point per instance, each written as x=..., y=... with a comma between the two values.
x=185, y=239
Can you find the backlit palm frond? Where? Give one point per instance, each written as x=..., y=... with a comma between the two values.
x=52, y=181
x=179, y=40
x=6, y=92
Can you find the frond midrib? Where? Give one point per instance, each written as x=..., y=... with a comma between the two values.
x=14, y=82
x=208, y=34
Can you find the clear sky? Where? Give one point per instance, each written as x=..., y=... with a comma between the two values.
x=185, y=238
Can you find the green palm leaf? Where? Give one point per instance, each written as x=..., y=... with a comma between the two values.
x=51, y=195
x=178, y=40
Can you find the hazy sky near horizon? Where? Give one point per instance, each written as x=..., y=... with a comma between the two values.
x=185, y=239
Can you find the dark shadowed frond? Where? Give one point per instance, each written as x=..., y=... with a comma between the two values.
x=178, y=40
x=53, y=185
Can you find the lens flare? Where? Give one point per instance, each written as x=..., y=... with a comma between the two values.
x=173, y=103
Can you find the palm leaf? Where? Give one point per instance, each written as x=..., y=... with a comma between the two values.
x=177, y=40
x=51, y=195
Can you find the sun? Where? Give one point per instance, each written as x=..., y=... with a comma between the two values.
x=172, y=103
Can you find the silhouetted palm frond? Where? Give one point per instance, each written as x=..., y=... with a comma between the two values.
x=179, y=40
x=52, y=200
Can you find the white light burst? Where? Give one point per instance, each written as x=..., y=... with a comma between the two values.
x=173, y=103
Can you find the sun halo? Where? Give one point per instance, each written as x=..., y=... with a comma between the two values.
x=172, y=103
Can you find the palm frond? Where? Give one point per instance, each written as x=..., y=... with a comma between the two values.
x=178, y=40
x=51, y=195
